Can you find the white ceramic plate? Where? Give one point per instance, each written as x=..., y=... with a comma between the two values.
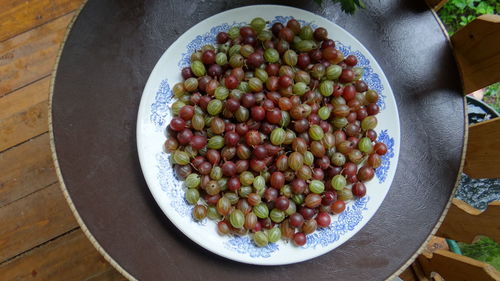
x=154, y=116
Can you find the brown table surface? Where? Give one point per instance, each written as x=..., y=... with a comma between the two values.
x=107, y=58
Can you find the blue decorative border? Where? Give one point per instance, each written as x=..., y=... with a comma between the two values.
x=381, y=172
x=160, y=108
x=202, y=40
x=173, y=188
x=347, y=221
x=285, y=19
x=244, y=245
x=371, y=78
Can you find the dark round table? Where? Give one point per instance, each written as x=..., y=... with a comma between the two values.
x=107, y=58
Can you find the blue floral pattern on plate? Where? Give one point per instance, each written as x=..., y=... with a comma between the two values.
x=170, y=185
x=173, y=187
x=341, y=224
x=202, y=40
x=381, y=172
x=371, y=78
x=284, y=20
x=244, y=245
x=160, y=108
x=346, y=222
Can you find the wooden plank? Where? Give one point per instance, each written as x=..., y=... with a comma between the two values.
x=436, y=277
x=26, y=169
x=436, y=243
x=70, y=257
x=482, y=158
x=33, y=220
x=463, y=223
x=23, y=114
x=110, y=275
x=31, y=55
x=24, y=98
x=452, y=266
x=408, y=275
x=477, y=51
x=418, y=271
x=436, y=4
x=24, y=125
x=17, y=16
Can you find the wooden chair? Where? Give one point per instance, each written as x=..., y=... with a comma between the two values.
x=462, y=223
x=477, y=51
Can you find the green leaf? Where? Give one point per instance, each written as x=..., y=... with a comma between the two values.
x=465, y=20
x=461, y=4
x=470, y=3
x=492, y=96
x=484, y=8
x=446, y=18
x=486, y=250
x=359, y=3
x=318, y=1
x=348, y=6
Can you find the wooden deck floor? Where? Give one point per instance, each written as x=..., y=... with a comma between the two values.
x=39, y=237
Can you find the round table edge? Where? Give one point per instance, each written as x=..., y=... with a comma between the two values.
x=128, y=275
x=57, y=168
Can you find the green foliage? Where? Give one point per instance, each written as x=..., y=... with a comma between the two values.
x=492, y=96
x=458, y=13
x=348, y=6
x=485, y=250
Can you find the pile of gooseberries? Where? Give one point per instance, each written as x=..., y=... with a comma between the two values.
x=273, y=131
